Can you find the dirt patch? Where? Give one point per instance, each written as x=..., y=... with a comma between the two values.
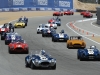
x=95, y=38
x=8, y=16
x=85, y=6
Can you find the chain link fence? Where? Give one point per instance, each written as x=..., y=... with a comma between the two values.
x=91, y=1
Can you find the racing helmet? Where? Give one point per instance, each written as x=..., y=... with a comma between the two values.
x=92, y=47
x=42, y=52
x=62, y=31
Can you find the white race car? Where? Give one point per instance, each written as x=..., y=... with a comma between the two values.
x=41, y=27
x=53, y=24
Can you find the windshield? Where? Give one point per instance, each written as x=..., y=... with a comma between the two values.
x=76, y=38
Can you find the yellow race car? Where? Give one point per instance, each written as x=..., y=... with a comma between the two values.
x=19, y=24
x=75, y=42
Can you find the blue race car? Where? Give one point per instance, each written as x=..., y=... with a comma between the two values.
x=12, y=36
x=60, y=37
x=40, y=60
x=58, y=22
x=89, y=53
x=48, y=32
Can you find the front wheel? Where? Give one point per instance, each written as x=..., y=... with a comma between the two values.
x=54, y=67
x=32, y=66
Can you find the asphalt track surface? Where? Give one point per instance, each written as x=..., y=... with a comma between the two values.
x=67, y=63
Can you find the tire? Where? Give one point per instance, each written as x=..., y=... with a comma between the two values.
x=53, y=15
x=23, y=26
x=78, y=56
x=54, y=67
x=27, y=52
x=2, y=38
x=26, y=24
x=72, y=14
x=26, y=64
x=52, y=39
x=32, y=66
x=6, y=43
x=43, y=35
x=10, y=52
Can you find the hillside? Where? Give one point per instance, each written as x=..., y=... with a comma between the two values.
x=84, y=6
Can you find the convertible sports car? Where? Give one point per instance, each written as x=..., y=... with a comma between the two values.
x=52, y=24
x=82, y=13
x=18, y=46
x=3, y=35
x=41, y=28
x=40, y=60
x=68, y=12
x=88, y=14
x=19, y=24
x=56, y=20
x=23, y=18
x=88, y=53
x=58, y=13
x=60, y=37
x=48, y=32
x=4, y=29
x=12, y=36
x=76, y=42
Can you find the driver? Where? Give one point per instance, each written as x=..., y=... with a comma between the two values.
x=11, y=27
x=92, y=47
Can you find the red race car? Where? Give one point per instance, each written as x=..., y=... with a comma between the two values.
x=58, y=13
x=68, y=12
x=83, y=12
x=88, y=14
x=51, y=20
x=4, y=29
x=18, y=46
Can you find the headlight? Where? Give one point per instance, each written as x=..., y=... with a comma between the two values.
x=52, y=60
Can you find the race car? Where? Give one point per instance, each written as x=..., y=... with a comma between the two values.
x=60, y=37
x=40, y=60
x=18, y=46
x=23, y=18
x=58, y=13
x=41, y=27
x=68, y=12
x=12, y=36
x=88, y=53
x=3, y=35
x=19, y=24
x=4, y=28
x=48, y=32
x=88, y=14
x=83, y=12
x=58, y=22
x=75, y=42
x=52, y=24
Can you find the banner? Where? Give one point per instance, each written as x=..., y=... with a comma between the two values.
x=68, y=4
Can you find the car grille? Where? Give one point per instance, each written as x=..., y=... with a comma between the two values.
x=77, y=45
x=19, y=48
x=45, y=63
x=18, y=25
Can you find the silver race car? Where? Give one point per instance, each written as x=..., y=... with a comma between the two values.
x=40, y=60
x=41, y=27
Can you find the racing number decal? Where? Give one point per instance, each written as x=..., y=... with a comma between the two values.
x=90, y=51
x=13, y=37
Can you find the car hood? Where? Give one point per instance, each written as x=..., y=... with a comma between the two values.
x=77, y=41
